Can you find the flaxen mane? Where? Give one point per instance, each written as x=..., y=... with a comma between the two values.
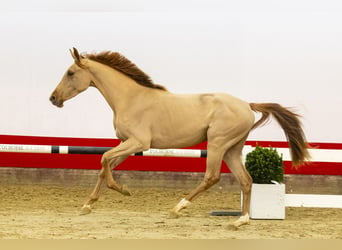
x=125, y=66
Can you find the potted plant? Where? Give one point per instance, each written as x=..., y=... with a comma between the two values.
x=266, y=167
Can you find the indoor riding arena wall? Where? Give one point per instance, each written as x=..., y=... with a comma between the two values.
x=142, y=171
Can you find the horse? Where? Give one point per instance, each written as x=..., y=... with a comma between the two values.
x=147, y=115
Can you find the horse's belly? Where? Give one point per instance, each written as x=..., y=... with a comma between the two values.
x=178, y=138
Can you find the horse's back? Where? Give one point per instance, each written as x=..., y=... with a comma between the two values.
x=207, y=105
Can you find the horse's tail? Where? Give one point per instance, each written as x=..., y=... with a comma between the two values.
x=291, y=125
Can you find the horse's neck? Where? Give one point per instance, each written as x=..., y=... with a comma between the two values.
x=116, y=88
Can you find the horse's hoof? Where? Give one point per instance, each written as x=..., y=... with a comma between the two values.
x=86, y=209
x=125, y=191
x=232, y=227
x=173, y=215
x=243, y=220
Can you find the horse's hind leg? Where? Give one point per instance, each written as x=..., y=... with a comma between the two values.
x=234, y=162
x=211, y=177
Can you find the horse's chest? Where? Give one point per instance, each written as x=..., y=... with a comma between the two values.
x=121, y=130
x=124, y=128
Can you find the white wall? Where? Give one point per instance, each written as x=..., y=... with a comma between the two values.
x=288, y=52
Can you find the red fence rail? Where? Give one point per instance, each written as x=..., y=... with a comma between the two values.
x=31, y=160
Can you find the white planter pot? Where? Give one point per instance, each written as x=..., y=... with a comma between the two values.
x=267, y=201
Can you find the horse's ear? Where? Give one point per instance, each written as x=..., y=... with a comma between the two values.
x=74, y=53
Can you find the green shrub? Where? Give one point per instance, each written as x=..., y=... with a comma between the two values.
x=265, y=165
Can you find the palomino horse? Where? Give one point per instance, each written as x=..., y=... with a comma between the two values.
x=146, y=116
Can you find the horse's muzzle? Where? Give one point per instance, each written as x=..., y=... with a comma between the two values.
x=54, y=100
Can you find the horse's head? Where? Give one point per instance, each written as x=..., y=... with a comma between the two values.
x=76, y=80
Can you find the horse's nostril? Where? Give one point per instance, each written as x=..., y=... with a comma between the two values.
x=52, y=98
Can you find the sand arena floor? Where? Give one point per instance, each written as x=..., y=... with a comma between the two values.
x=36, y=211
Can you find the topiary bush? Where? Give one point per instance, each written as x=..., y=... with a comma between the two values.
x=265, y=165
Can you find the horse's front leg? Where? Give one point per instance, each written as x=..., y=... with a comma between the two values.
x=109, y=161
x=94, y=196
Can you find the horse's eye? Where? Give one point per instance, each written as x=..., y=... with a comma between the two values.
x=70, y=73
